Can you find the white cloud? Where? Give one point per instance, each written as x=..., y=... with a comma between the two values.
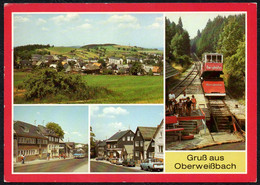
x=93, y=110
x=159, y=19
x=45, y=29
x=124, y=21
x=65, y=18
x=38, y=113
x=76, y=133
x=111, y=112
x=155, y=25
x=21, y=19
x=41, y=21
x=84, y=26
x=158, y=23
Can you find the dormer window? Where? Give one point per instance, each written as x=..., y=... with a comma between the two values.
x=25, y=129
x=138, y=133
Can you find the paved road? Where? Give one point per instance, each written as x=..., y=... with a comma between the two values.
x=229, y=146
x=104, y=167
x=69, y=165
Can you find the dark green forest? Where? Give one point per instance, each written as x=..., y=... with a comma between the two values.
x=25, y=52
x=177, y=43
x=225, y=35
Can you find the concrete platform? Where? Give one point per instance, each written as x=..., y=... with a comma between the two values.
x=204, y=139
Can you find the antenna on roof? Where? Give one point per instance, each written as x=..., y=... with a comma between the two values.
x=128, y=127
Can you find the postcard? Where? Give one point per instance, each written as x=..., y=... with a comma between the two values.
x=130, y=92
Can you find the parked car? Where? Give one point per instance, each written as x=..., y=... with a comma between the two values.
x=79, y=155
x=128, y=162
x=152, y=164
x=119, y=161
x=113, y=160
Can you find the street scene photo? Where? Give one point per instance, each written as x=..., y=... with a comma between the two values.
x=126, y=139
x=50, y=139
x=205, y=81
x=87, y=58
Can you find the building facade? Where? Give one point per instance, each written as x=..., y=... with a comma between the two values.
x=53, y=144
x=142, y=140
x=29, y=141
x=159, y=142
x=115, y=144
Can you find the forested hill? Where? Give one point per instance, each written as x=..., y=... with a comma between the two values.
x=177, y=43
x=225, y=35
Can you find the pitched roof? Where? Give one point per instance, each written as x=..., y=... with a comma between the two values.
x=116, y=58
x=118, y=135
x=146, y=144
x=147, y=132
x=129, y=148
x=46, y=131
x=27, y=130
x=158, y=128
x=102, y=143
x=91, y=67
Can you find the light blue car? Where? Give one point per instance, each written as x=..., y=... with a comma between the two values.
x=152, y=165
x=79, y=155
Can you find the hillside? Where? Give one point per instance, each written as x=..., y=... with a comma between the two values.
x=103, y=51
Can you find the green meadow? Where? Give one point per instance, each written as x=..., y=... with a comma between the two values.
x=123, y=89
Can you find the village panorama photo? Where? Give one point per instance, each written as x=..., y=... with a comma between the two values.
x=88, y=58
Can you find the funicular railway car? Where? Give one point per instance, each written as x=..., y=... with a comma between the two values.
x=211, y=69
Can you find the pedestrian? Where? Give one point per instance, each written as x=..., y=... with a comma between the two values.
x=184, y=99
x=23, y=158
x=48, y=156
x=188, y=106
x=180, y=107
x=171, y=102
x=194, y=102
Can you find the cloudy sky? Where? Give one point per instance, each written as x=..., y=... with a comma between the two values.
x=107, y=120
x=192, y=22
x=71, y=29
x=72, y=119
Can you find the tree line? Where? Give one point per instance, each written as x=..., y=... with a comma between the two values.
x=25, y=52
x=177, y=43
x=225, y=35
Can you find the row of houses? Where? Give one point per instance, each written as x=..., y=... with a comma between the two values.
x=90, y=65
x=38, y=142
x=128, y=60
x=146, y=142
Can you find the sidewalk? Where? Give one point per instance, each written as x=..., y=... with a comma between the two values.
x=38, y=161
x=107, y=162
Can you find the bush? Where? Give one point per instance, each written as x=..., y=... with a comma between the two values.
x=48, y=83
x=107, y=72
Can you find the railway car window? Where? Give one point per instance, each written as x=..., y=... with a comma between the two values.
x=208, y=58
x=214, y=58
x=219, y=58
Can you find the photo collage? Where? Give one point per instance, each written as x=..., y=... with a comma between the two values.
x=123, y=92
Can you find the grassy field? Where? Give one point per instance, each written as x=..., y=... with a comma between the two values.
x=125, y=89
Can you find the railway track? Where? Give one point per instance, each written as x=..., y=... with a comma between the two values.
x=180, y=87
x=222, y=117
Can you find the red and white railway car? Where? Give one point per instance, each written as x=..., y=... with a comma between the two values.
x=211, y=69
